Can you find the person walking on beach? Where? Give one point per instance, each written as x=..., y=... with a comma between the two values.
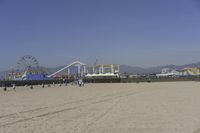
x=14, y=86
x=65, y=81
x=80, y=82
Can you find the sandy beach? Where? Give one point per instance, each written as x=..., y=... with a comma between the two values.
x=168, y=107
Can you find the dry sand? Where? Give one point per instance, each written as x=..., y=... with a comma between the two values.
x=171, y=107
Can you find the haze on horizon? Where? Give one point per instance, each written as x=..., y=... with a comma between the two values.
x=133, y=32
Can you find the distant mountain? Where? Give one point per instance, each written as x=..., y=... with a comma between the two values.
x=157, y=69
x=189, y=65
x=2, y=74
x=130, y=69
x=123, y=69
x=140, y=70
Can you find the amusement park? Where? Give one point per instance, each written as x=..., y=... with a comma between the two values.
x=28, y=71
x=28, y=68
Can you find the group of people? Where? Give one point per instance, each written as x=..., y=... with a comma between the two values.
x=13, y=87
x=78, y=82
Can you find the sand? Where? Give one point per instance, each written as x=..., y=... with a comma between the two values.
x=168, y=107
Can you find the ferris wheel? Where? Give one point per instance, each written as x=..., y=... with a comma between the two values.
x=27, y=63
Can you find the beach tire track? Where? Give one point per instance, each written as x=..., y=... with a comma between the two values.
x=111, y=97
x=54, y=106
x=100, y=116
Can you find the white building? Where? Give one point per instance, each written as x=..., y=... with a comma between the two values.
x=172, y=73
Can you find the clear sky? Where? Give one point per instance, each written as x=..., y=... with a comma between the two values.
x=133, y=32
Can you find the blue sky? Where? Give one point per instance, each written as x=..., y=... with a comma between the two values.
x=133, y=32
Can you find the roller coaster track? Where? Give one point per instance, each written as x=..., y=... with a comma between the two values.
x=64, y=68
